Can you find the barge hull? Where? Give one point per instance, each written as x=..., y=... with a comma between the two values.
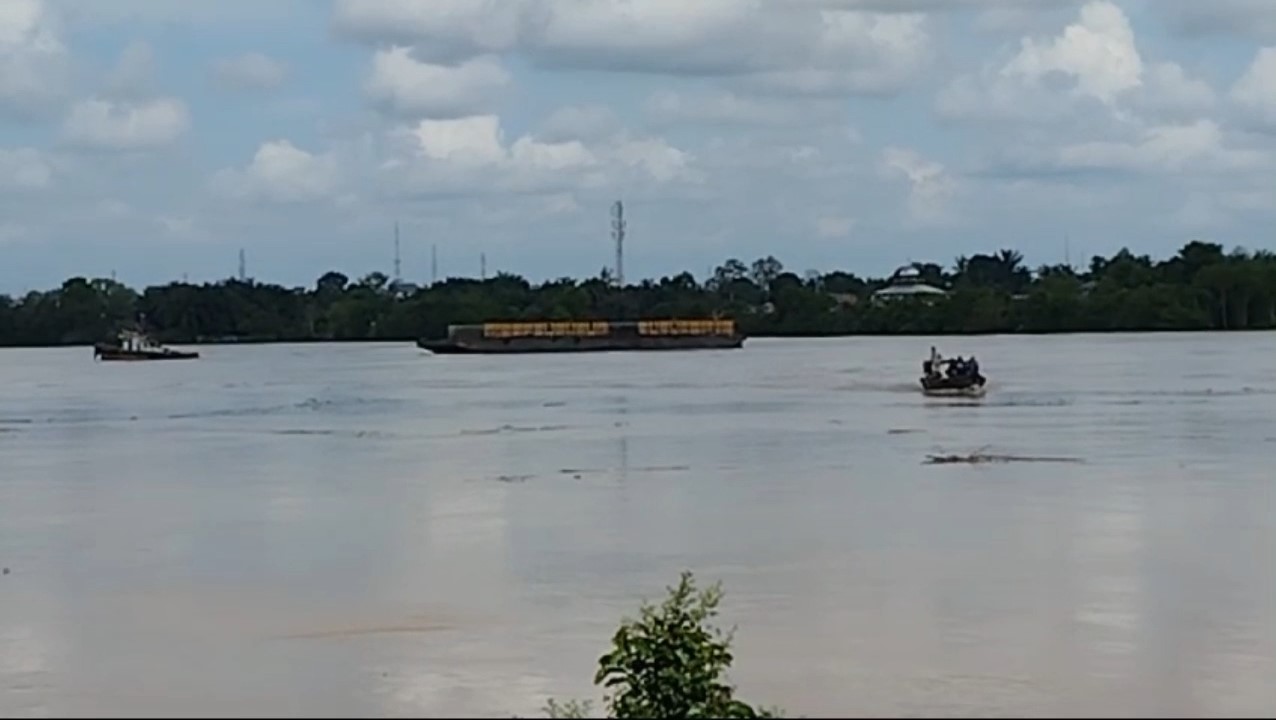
x=578, y=344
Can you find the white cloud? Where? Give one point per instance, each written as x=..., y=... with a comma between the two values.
x=579, y=122
x=469, y=141
x=176, y=226
x=250, y=71
x=668, y=36
x=1254, y=18
x=930, y=184
x=33, y=60
x=1092, y=65
x=1097, y=52
x=1167, y=90
x=133, y=74
x=560, y=204
x=1011, y=16
x=281, y=173
x=24, y=169
x=403, y=85
x=1086, y=100
x=1255, y=91
x=455, y=28
x=788, y=46
x=653, y=156
x=912, y=6
x=472, y=155
x=667, y=107
x=109, y=125
x=819, y=163
x=134, y=13
x=856, y=52
x=833, y=226
x=1173, y=148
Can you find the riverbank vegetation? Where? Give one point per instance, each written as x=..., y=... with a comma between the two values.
x=1202, y=287
x=670, y=662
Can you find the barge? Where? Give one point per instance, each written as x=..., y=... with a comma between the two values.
x=586, y=336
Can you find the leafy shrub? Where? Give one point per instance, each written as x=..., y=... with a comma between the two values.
x=669, y=663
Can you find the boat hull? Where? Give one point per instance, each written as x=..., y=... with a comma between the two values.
x=971, y=391
x=113, y=354
x=950, y=388
x=576, y=344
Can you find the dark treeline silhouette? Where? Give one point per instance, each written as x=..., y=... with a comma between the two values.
x=1201, y=288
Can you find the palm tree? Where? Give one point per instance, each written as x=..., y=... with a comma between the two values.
x=1011, y=260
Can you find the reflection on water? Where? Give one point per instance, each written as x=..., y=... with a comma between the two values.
x=371, y=530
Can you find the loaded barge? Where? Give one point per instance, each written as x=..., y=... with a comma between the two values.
x=586, y=336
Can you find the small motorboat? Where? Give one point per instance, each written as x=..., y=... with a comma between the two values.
x=952, y=377
x=134, y=345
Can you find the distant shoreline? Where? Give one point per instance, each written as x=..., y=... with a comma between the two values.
x=1200, y=288
x=757, y=336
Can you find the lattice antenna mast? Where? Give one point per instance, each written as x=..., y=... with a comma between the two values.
x=618, y=234
x=398, y=259
x=434, y=264
x=482, y=266
x=243, y=266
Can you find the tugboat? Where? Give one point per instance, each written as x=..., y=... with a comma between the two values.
x=134, y=345
x=952, y=377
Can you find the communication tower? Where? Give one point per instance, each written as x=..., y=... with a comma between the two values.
x=618, y=234
x=398, y=260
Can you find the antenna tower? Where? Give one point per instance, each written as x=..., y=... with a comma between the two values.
x=398, y=260
x=243, y=266
x=483, y=266
x=618, y=234
x=434, y=264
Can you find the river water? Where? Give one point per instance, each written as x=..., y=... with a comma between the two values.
x=371, y=530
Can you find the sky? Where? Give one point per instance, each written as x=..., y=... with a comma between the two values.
x=155, y=139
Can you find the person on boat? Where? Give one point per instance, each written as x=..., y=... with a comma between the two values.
x=931, y=367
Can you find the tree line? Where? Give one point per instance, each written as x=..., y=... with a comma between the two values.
x=1202, y=287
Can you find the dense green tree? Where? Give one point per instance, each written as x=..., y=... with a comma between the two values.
x=1201, y=287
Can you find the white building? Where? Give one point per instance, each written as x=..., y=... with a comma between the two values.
x=907, y=283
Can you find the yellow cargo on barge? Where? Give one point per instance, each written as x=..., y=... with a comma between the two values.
x=588, y=336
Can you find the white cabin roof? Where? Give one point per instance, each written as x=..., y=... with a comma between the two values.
x=909, y=289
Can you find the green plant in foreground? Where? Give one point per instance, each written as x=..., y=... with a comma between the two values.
x=570, y=710
x=668, y=663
